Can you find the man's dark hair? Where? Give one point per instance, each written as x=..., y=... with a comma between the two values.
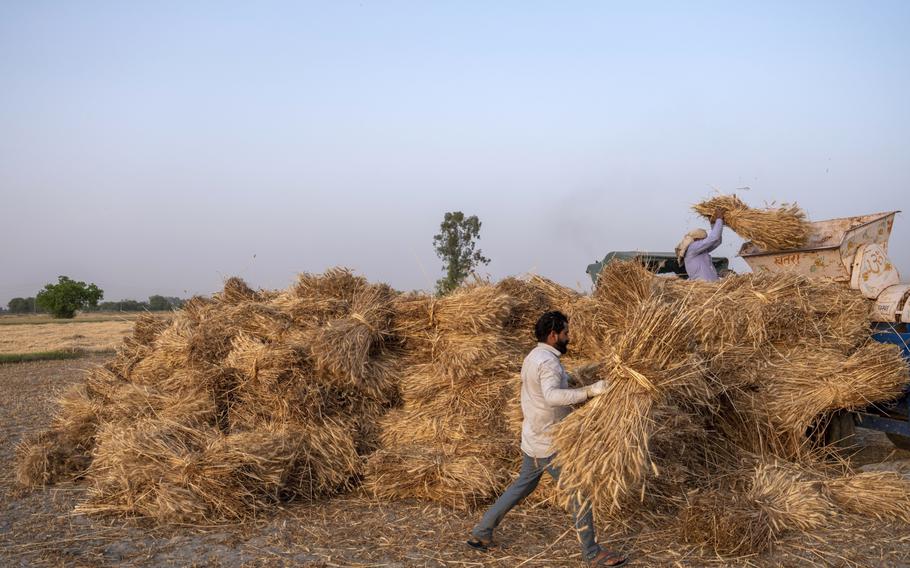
x=550, y=321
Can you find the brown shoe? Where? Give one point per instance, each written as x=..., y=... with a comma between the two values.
x=608, y=558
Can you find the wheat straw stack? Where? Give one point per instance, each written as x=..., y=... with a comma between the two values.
x=256, y=397
x=464, y=353
x=772, y=228
x=236, y=403
x=752, y=506
x=461, y=476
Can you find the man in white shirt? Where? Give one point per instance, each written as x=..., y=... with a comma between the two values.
x=545, y=400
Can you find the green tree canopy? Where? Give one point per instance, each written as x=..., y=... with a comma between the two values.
x=66, y=296
x=158, y=303
x=21, y=305
x=123, y=306
x=455, y=246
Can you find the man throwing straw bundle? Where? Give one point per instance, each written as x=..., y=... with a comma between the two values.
x=545, y=400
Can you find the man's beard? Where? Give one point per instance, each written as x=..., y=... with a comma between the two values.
x=562, y=346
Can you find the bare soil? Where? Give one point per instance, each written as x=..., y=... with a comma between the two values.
x=39, y=528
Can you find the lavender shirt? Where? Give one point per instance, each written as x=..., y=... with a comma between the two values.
x=698, y=261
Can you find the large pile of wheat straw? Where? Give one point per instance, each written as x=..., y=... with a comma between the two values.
x=239, y=402
x=255, y=397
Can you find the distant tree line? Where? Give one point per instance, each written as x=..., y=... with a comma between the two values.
x=155, y=303
x=65, y=297
x=23, y=306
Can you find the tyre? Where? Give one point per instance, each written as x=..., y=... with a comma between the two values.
x=899, y=441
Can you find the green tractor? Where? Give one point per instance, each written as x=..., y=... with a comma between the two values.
x=657, y=262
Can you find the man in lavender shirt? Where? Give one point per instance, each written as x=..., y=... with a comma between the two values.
x=694, y=250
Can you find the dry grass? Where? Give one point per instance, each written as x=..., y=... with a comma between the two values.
x=772, y=228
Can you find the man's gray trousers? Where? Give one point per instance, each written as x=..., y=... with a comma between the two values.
x=532, y=470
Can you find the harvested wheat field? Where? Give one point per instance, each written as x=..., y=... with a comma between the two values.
x=342, y=423
x=85, y=336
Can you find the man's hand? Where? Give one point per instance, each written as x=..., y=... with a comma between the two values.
x=718, y=214
x=596, y=389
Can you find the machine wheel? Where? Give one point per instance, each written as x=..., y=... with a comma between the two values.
x=841, y=430
x=899, y=441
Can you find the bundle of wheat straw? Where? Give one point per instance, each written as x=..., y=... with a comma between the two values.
x=52, y=456
x=881, y=494
x=604, y=452
x=790, y=501
x=236, y=291
x=805, y=381
x=724, y=522
x=772, y=228
x=434, y=441
x=532, y=299
x=133, y=464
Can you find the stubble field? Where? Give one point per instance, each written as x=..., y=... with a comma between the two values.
x=87, y=333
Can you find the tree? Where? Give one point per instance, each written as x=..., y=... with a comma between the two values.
x=455, y=246
x=123, y=306
x=21, y=305
x=159, y=303
x=66, y=296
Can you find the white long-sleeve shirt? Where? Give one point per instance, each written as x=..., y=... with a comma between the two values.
x=545, y=399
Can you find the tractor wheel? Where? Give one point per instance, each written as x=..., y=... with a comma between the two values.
x=899, y=441
x=841, y=430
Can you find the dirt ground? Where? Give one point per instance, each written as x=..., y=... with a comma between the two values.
x=39, y=528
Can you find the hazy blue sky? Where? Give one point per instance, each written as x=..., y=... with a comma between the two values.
x=162, y=147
